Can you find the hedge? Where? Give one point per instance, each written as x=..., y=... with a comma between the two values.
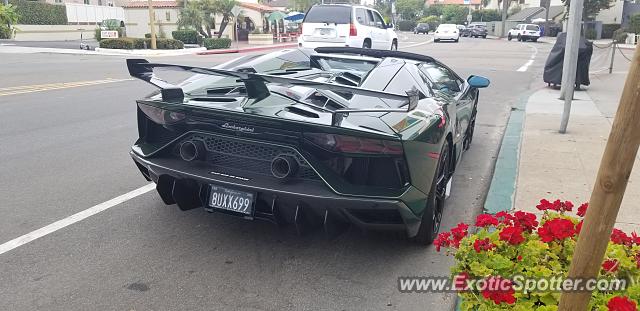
x=5, y=32
x=119, y=43
x=140, y=43
x=39, y=13
x=216, y=43
x=186, y=36
x=406, y=25
x=620, y=36
x=608, y=29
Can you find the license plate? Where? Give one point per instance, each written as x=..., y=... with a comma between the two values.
x=231, y=200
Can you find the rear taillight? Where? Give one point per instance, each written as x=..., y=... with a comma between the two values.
x=353, y=31
x=350, y=144
x=161, y=116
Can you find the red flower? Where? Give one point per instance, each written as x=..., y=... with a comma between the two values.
x=483, y=245
x=619, y=237
x=485, y=220
x=556, y=229
x=621, y=303
x=567, y=206
x=556, y=205
x=442, y=240
x=505, y=218
x=457, y=233
x=519, y=257
x=512, y=235
x=635, y=238
x=499, y=290
x=582, y=210
x=526, y=221
x=610, y=266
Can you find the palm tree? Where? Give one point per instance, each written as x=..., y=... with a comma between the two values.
x=224, y=8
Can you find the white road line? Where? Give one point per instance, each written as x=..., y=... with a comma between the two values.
x=53, y=227
x=532, y=58
x=525, y=66
x=417, y=44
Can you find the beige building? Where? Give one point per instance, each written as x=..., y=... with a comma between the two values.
x=252, y=17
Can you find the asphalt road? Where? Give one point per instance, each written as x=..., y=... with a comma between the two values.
x=65, y=149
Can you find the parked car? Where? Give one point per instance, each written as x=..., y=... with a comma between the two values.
x=476, y=31
x=348, y=26
x=524, y=32
x=447, y=32
x=421, y=28
x=314, y=139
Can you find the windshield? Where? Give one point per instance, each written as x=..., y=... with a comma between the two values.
x=533, y=27
x=336, y=14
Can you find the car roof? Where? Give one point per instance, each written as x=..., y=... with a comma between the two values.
x=346, y=5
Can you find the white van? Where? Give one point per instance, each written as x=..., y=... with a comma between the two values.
x=346, y=25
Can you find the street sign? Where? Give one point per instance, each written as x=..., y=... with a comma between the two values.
x=109, y=34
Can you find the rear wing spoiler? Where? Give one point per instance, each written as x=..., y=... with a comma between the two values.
x=255, y=84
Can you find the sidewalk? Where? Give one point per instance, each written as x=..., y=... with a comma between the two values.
x=564, y=166
x=243, y=47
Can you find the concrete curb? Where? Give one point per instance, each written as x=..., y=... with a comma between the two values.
x=501, y=194
x=250, y=49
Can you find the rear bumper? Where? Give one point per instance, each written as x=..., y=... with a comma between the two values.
x=446, y=37
x=348, y=42
x=303, y=204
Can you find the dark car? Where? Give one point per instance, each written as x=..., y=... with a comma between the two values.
x=322, y=138
x=477, y=31
x=421, y=28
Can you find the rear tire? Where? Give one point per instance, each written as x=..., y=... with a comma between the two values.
x=436, y=40
x=456, y=40
x=366, y=44
x=432, y=216
x=519, y=38
x=534, y=40
x=394, y=45
x=509, y=37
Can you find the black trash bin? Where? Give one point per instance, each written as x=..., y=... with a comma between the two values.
x=553, y=66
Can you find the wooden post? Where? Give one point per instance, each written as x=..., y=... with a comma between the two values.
x=152, y=18
x=611, y=182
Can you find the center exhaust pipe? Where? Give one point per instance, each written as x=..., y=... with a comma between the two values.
x=192, y=150
x=284, y=166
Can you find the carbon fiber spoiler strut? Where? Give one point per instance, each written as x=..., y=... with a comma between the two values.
x=255, y=85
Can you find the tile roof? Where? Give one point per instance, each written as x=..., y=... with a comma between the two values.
x=257, y=6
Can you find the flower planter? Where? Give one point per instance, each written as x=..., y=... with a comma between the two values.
x=260, y=39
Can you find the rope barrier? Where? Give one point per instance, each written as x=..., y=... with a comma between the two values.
x=623, y=55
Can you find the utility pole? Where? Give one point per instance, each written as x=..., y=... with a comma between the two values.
x=505, y=8
x=608, y=191
x=570, y=64
x=152, y=18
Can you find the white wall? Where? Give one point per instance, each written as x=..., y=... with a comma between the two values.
x=82, y=13
x=137, y=21
x=53, y=32
x=612, y=15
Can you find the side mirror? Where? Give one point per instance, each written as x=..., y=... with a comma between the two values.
x=478, y=81
x=390, y=26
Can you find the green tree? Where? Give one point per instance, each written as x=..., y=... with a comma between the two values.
x=8, y=18
x=434, y=9
x=409, y=9
x=302, y=5
x=432, y=20
x=485, y=15
x=591, y=7
x=454, y=14
x=634, y=23
x=224, y=8
x=201, y=16
x=384, y=7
